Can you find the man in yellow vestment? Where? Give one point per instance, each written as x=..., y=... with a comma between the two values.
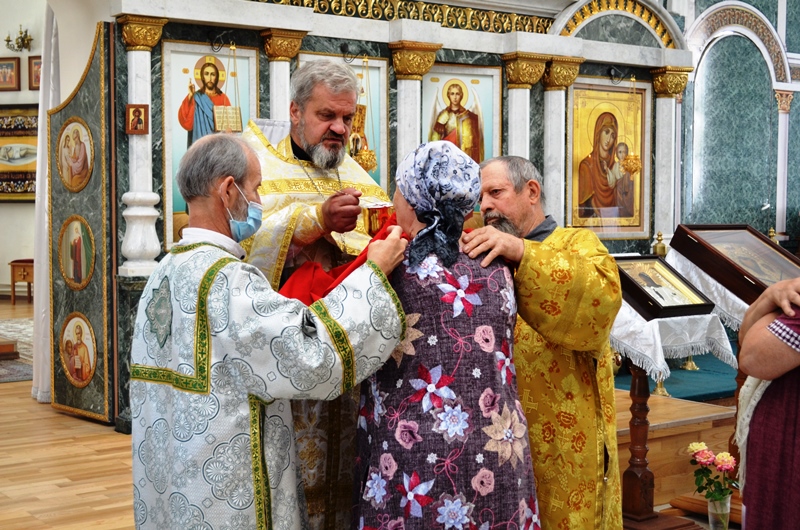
x=568, y=294
x=312, y=193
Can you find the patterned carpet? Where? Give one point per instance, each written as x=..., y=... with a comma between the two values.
x=20, y=330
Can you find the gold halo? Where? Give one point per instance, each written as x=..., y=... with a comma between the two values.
x=209, y=59
x=596, y=112
x=464, y=91
x=86, y=334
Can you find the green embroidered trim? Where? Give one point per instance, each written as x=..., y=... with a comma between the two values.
x=200, y=381
x=275, y=281
x=186, y=248
x=261, y=488
x=344, y=349
x=385, y=281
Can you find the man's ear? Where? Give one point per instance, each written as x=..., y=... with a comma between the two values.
x=227, y=190
x=534, y=191
x=294, y=113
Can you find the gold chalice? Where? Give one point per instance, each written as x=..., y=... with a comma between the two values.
x=375, y=216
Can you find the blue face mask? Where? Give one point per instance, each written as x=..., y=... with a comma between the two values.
x=241, y=230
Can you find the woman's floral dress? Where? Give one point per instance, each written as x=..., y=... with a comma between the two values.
x=442, y=441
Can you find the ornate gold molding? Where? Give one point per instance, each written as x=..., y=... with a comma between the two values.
x=141, y=33
x=455, y=17
x=670, y=81
x=634, y=8
x=561, y=72
x=282, y=44
x=412, y=60
x=523, y=69
x=784, y=98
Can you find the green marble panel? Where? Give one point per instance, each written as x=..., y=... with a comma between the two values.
x=793, y=26
x=735, y=130
x=88, y=106
x=537, y=127
x=618, y=29
x=768, y=8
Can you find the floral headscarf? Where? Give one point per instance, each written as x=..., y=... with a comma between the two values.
x=442, y=184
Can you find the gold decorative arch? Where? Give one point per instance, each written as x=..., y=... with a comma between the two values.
x=639, y=10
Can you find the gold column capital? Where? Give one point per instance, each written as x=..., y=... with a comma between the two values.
x=524, y=69
x=141, y=33
x=561, y=72
x=412, y=60
x=784, y=98
x=670, y=81
x=282, y=44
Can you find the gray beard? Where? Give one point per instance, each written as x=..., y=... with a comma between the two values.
x=501, y=222
x=321, y=156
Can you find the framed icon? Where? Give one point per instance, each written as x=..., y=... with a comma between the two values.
x=76, y=252
x=656, y=290
x=75, y=156
x=9, y=74
x=78, y=349
x=137, y=119
x=608, y=173
x=34, y=72
x=463, y=104
x=741, y=258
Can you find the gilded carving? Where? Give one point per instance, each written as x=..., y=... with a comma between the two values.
x=141, y=33
x=524, y=69
x=282, y=44
x=670, y=81
x=466, y=18
x=784, y=100
x=412, y=60
x=633, y=7
x=795, y=71
x=737, y=16
x=561, y=72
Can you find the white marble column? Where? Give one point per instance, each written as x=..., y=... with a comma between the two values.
x=555, y=145
x=140, y=244
x=523, y=70
x=559, y=74
x=784, y=104
x=409, y=121
x=411, y=60
x=279, y=90
x=519, y=128
x=668, y=83
x=281, y=46
x=664, y=169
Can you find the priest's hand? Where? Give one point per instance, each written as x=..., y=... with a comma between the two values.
x=388, y=253
x=340, y=212
x=496, y=243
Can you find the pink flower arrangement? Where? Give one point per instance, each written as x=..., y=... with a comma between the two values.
x=715, y=487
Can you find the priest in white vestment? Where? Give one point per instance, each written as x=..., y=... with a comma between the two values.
x=217, y=354
x=312, y=193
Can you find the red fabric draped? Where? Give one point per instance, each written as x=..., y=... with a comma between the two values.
x=310, y=281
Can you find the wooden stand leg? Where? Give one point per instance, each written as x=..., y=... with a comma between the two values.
x=638, y=480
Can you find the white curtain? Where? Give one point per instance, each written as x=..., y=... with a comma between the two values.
x=49, y=97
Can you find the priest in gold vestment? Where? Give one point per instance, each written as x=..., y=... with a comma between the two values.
x=312, y=193
x=568, y=295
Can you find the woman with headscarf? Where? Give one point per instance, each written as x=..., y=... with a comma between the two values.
x=594, y=191
x=442, y=441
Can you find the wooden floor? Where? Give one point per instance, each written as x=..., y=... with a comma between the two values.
x=58, y=471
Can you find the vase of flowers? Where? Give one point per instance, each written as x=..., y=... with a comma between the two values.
x=715, y=487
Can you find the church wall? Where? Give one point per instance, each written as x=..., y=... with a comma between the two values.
x=734, y=159
x=18, y=243
x=618, y=29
